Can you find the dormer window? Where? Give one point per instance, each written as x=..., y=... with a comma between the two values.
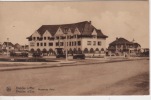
x=94, y=36
x=99, y=43
x=65, y=30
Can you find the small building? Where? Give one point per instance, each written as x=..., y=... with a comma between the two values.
x=121, y=46
x=17, y=47
x=7, y=46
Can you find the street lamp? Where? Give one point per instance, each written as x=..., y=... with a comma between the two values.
x=66, y=43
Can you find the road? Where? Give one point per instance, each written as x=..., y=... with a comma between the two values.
x=118, y=78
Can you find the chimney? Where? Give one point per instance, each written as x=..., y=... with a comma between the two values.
x=90, y=22
x=116, y=38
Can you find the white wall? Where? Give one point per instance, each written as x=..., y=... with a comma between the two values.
x=84, y=43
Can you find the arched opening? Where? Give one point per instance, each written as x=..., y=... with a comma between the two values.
x=50, y=51
x=38, y=50
x=86, y=50
x=91, y=50
x=97, y=51
x=102, y=50
x=79, y=50
x=32, y=50
x=44, y=51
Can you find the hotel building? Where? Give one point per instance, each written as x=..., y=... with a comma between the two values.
x=75, y=37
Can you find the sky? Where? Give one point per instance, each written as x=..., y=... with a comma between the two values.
x=127, y=19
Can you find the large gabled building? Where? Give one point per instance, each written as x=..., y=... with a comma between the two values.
x=81, y=36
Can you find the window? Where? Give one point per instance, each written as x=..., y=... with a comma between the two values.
x=37, y=38
x=57, y=43
x=32, y=44
x=48, y=38
x=45, y=44
x=94, y=42
x=99, y=42
x=41, y=44
x=44, y=38
x=94, y=36
x=50, y=44
x=37, y=44
x=61, y=43
x=79, y=43
x=34, y=38
x=69, y=43
x=75, y=43
x=89, y=43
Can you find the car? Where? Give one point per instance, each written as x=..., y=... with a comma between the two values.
x=36, y=54
x=78, y=56
x=60, y=56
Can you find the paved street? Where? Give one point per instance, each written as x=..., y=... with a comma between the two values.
x=118, y=78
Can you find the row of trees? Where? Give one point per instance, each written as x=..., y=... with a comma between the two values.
x=86, y=50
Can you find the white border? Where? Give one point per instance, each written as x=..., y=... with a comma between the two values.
x=148, y=97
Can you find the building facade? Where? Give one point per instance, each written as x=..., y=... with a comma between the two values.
x=121, y=46
x=75, y=37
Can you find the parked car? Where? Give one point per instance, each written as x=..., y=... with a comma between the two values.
x=60, y=56
x=35, y=54
x=78, y=56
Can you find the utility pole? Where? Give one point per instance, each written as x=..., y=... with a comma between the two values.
x=66, y=49
x=7, y=47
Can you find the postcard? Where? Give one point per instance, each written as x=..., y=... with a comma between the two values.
x=88, y=48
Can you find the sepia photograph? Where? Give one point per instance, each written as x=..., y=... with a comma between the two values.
x=87, y=48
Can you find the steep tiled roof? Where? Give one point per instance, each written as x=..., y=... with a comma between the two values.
x=120, y=41
x=8, y=43
x=137, y=44
x=123, y=41
x=84, y=27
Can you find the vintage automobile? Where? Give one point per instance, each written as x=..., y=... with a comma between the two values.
x=79, y=56
x=35, y=54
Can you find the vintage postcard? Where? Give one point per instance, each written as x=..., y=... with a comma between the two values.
x=88, y=48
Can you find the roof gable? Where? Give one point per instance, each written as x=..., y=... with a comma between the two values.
x=59, y=32
x=94, y=32
x=83, y=28
x=47, y=33
x=36, y=34
x=8, y=43
x=76, y=31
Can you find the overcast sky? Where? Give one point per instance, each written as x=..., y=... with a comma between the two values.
x=128, y=19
